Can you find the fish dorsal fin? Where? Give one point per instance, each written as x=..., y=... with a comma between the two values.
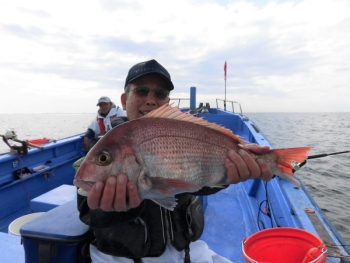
x=169, y=112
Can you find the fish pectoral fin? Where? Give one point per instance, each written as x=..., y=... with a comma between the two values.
x=165, y=184
x=164, y=189
x=168, y=202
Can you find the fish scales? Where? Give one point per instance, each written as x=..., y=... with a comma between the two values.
x=182, y=150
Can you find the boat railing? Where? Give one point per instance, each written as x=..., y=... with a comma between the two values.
x=232, y=104
x=179, y=100
x=217, y=104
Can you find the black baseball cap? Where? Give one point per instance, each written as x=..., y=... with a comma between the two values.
x=148, y=67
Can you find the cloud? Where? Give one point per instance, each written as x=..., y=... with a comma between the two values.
x=280, y=54
x=19, y=31
x=113, y=5
x=34, y=12
x=122, y=45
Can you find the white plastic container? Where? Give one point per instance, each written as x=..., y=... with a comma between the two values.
x=16, y=224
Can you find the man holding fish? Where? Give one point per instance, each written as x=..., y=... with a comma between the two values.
x=138, y=219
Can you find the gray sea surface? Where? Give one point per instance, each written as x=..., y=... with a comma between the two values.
x=326, y=179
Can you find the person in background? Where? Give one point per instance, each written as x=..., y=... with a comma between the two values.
x=107, y=112
x=126, y=229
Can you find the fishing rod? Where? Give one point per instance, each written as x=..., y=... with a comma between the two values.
x=299, y=165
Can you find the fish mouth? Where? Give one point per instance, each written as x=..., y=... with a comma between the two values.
x=84, y=186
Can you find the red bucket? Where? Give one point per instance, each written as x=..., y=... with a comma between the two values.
x=284, y=244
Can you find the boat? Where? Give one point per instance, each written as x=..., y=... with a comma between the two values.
x=40, y=183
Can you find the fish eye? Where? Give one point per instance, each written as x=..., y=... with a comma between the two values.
x=103, y=158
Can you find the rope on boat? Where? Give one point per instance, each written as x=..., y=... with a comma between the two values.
x=266, y=211
x=21, y=168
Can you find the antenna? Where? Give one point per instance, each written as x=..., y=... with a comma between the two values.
x=225, y=71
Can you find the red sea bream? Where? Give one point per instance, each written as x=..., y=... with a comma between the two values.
x=168, y=152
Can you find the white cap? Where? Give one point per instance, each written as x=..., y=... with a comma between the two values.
x=103, y=99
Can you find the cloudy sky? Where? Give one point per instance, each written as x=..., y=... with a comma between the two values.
x=282, y=56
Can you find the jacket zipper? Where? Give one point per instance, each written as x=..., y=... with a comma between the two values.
x=139, y=219
x=171, y=226
x=163, y=225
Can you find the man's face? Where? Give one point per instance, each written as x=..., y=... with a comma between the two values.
x=105, y=107
x=137, y=106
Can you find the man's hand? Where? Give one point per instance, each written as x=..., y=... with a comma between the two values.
x=117, y=194
x=241, y=166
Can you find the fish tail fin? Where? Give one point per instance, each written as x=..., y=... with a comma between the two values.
x=285, y=157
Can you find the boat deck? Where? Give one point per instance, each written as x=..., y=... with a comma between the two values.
x=226, y=216
x=11, y=249
x=231, y=215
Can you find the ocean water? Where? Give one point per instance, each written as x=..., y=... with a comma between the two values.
x=326, y=179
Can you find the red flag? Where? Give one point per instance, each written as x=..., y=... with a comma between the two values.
x=225, y=69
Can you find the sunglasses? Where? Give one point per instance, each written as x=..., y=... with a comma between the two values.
x=145, y=91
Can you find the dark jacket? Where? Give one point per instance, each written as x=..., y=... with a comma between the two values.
x=142, y=231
